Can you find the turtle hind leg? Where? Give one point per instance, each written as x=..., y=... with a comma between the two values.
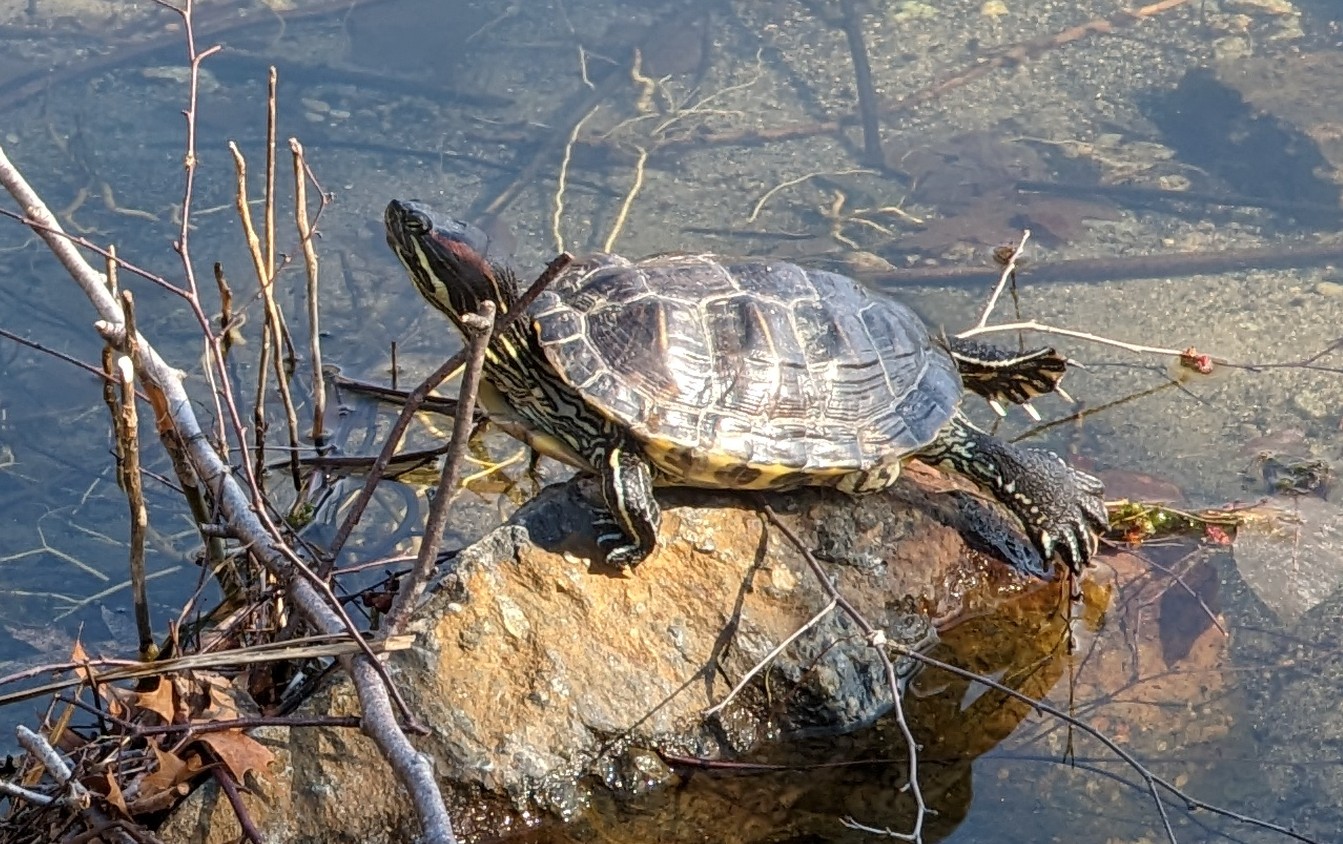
x=1001, y=375
x=627, y=532
x=1060, y=507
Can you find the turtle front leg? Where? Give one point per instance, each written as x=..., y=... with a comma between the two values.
x=629, y=532
x=1059, y=506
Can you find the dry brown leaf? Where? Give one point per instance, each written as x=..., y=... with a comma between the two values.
x=190, y=699
x=107, y=784
x=78, y=655
x=240, y=752
x=1127, y=679
x=159, y=801
x=169, y=771
x=1183, y=613
x=160, y=700
x=228, y=700
x=119, y=700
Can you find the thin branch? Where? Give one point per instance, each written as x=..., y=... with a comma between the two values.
x=759, y=666
x=305, y=239
x=416, y=397
x=876, y=638
x=128, y=437
x=235, y=505
x=61, y=356
x=479, y=327
x=1042, y=328
x=1009, y=270
x=276, y=330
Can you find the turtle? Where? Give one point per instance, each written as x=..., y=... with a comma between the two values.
x=708, y=371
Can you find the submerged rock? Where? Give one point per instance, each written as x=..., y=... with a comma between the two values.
x=550, y=684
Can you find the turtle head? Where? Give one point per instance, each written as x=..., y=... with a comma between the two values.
x=448, y=260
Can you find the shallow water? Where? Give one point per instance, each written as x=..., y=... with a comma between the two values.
x=452, y=102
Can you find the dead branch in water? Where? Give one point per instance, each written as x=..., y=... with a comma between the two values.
x=236, y=509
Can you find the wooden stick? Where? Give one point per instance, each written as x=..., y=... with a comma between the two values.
x=479, y=327
x=314, y=312
x=235, y=505
x=873, y=156
x=128, y=436
x=416, y=397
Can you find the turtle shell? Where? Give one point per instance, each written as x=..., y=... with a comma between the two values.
x=748, y=373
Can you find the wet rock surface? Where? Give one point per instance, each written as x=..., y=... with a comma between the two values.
x=550, y=684
x=1293, y=716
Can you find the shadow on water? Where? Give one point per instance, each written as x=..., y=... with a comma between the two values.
x=717, y=126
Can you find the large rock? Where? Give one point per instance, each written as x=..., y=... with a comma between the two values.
x=548, y=681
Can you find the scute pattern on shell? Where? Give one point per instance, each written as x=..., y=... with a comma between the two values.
x=738, y=365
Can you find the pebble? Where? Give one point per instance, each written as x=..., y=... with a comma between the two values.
x=1330, y=289
x=1313, y=406
x=1232, y=47
x=515, y=620
x=205, y=79
x=911, y=10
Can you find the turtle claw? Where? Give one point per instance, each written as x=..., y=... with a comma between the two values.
x=1070, y=522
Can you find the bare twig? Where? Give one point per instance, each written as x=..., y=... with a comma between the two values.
x=1009, y=269
x=876, y=638
x=479, y=327
x=46, y=755
x=305, y=236
x=268, y=209
x=112, y=670
x=230, y=788
x=416, y=397
x=128, y=437
x=106, y=376
x=759, y=666
x=276, y=330
x=235, y=505
x=183, y=243
x=34, y=797
x=1042, y=328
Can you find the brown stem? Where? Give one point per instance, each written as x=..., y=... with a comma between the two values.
x=301, y=176
x=479, y=327
x=416, y=398
x=1113, y=269
x=274, y=335
x=876, y=638
x=128, y=436
x=867, y=93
